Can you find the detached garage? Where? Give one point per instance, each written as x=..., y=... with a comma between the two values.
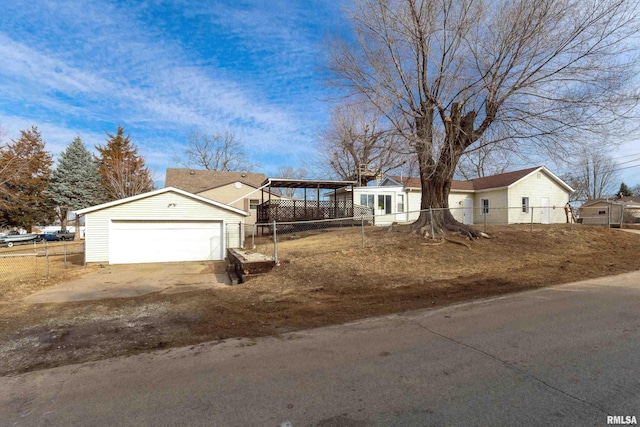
x=165, y=225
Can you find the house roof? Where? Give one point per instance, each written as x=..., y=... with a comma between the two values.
x=627, y=201
x=487, y=182
x=196, y=181
x=155, y=193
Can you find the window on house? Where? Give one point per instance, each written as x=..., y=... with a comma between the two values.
x=253, y=203
x=485, y=206
x=367, y=200
x=400, y=202
x=525, y=205
x=602, y=212
x=384, y=203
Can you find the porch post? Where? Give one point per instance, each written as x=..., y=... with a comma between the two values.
x=353, y=212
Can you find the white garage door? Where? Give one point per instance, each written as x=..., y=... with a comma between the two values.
x=132, y=242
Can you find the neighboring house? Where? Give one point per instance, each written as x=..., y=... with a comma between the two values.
x=237, y=189
x=164, y=225
x=610, y=212
x=533, y=194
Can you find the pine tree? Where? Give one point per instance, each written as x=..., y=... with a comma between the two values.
x=75, y=184
x=24, y=201
x=122, y=171
x=624, y=191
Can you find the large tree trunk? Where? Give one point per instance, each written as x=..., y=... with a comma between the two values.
x=435, y=211
x=76, y=237
x=63, y=219
x=436, y=174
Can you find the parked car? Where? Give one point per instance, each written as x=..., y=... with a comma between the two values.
x=59, y=235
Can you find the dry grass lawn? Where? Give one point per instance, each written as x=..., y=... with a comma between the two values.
x=324, y=278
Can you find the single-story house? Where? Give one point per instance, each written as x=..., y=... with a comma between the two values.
x=523, y=196
x=164, y=225
x=240, y=190
x=610, y=211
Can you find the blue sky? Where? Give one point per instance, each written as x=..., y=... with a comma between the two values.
x=163, y=69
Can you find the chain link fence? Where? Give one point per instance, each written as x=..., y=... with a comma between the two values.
x=38, y=260
x=608, y=214
x=289, y=239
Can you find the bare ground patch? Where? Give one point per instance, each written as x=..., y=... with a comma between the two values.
x=315, y=285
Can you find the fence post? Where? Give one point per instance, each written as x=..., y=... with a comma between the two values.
x=362, y=227
x=275, y=243
x=46, y=260
x=531, y=229
x=431, y=222
x=240, y=245
x=484, y=219
x=609, y=216
x=64, y=247
x=253, y=237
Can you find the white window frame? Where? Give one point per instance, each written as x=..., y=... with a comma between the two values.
x=369, y=200
x=400, y=203
x=384, y=204
x=525, y=205
x=485, y=206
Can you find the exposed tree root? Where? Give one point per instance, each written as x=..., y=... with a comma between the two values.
x=443, y=223
x=457, y=242
x=434, y=242
x=464, y=230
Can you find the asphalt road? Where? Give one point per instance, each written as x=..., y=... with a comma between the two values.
x=566, y=355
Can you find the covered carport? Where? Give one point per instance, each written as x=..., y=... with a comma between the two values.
x=310, y=206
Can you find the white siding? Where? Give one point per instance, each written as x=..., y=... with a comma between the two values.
x=381, y=218
x=165, y=206
x=537, y=186
x=415, y=199
x=497, y=214
x=456, y=204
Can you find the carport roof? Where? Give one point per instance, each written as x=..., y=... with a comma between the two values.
x=307, y=183
x=155, y=193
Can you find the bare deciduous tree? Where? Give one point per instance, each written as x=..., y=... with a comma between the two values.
x=593, y=176
x=357, y=147
x=446, y=73
x=290, y=172
x=218, y=151
x=484, y=160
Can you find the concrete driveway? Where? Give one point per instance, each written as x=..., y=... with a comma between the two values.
x=132, y=280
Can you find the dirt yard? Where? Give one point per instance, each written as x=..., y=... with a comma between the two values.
x=396, y=271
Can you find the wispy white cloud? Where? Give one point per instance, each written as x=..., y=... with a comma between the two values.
x=249, y=67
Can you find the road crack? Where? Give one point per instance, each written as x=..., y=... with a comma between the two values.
x=514, y=368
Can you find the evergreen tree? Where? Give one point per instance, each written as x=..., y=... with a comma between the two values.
x=122, y=171
x=24, y=201
x=624, y=191
x=75, y=184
